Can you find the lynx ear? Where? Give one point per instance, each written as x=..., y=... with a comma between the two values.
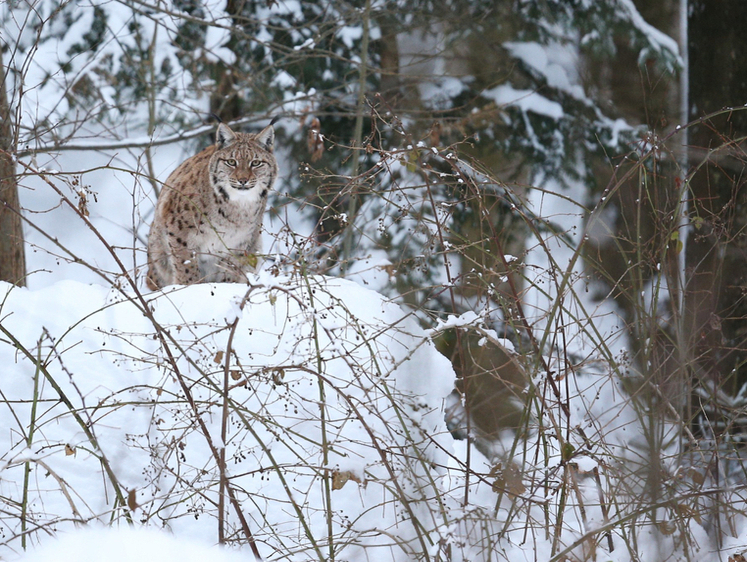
x=266, y=137
x=224, y=136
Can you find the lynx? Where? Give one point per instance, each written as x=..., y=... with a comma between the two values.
x=208, y=220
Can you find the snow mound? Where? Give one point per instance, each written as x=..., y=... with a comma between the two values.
x=127, y=545
x=115, y=404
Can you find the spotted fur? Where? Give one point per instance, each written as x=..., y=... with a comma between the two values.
x=208, y=220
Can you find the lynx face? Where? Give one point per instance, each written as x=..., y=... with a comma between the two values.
x=208, y=220
x=242, y=163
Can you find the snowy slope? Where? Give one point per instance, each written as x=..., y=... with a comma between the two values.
x=329, y=385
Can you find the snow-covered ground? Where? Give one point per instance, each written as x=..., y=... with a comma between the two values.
x=334, y=417
x=128, y=544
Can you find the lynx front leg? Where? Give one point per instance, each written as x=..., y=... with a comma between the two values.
x=251, y=257
x=231, y=268
x=185, y=262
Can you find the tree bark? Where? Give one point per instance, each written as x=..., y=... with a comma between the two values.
x=716, y=258
x=12, y=256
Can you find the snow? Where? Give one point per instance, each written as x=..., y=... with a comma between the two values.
x=127, y=544
x=557, y=275
x=350, y=34
x=469, y=318
x=526, y=100
x=300, y=345
x=660, y=41
x=215, y=51
x=556, y=62
x=374, y=271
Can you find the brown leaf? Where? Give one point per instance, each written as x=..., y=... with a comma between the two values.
x=435, y=134
x=249, y=259
x=278, y=375
x=69, y=450
x=499, y=485
x=697, y=478
x=687, y=511
x=507, y=479
x=339, y=479
x=315, y=140
x=218, y=359
x=83, y=203
x=390, y=269
x=566, y=451
x=132, y=500
x=666, y=527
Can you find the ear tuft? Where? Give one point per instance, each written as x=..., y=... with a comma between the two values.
x=224, y=136
x=266, y=137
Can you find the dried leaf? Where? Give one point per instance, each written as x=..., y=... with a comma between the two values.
x=674, y=238
x=566, y=451
x=514, y=484
x=250, y=260
x=412, y=161
x=83, y=203
x=499, y=485
x=132, y=500
x=69, y=450
x=435, y=134
x=507, y=479
x=315, y=140
x=340, y=478
x=666, y=527
x=697, y=478
x=218, y=359
x=389, y=268
x=686, y=510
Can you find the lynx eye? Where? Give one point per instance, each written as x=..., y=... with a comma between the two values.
x=231, y=162
x=257, y=163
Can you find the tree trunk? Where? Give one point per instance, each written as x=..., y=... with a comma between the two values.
x=12, y=257
x=716, y=260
